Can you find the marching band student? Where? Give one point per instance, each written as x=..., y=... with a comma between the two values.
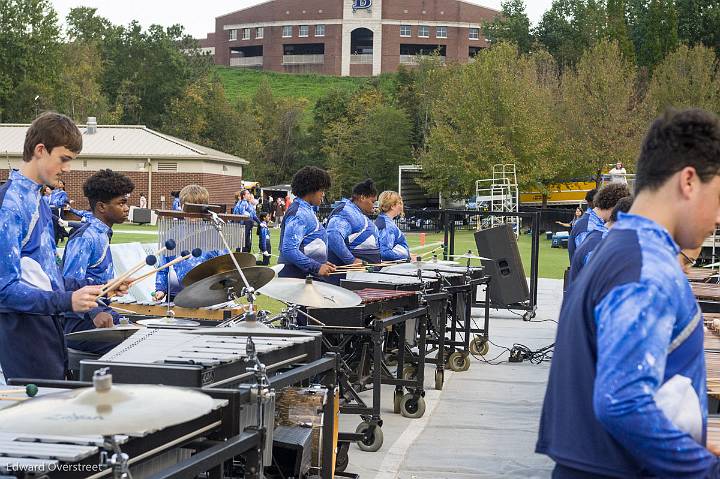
x=88, y=255
x=393, y=245
x=176, y=201
x=630, y=324
x=264, y=239
x=589, y=197
x=584, y=252
x=244, y=206
x=33, y=292
x=303, y=240
x=352, y=237
x=596, y=217
x=198, y=195
x=59, y=197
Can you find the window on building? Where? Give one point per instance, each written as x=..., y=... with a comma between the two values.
x=319, y=30
x=259, y=32
x=441, y=32
x=246, y=34
x=303, y=31
x=474, y=33
x=405, y=30
x=287, y=31
x=424, y=31
x=233, y=35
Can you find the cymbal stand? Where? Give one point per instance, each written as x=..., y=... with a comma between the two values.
x=260, y=392
x=118, y=462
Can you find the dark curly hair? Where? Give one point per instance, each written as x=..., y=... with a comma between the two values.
x=310, y=179
x=365, y=188
x=590, y=196
x=105, y=185
x=622, y=206
x=676, y=140
x=608, y=196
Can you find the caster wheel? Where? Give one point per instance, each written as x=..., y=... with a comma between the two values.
x=445, y=356
x=479, y=347
x=373, y=441
x=412, y=406
x=439, y=379
x=342, y=458
x=456, y=362
x=528, y=316
x=397, y=399
x=409, y=372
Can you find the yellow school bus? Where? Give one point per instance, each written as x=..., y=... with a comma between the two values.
x=570, y=193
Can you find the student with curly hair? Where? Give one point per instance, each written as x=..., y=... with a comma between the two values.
x=87, y=254
x=303, y=240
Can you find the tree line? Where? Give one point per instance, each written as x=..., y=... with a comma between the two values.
x=561, y=101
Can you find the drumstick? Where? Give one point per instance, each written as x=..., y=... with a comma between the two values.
x=197, y=252
x=149, y=260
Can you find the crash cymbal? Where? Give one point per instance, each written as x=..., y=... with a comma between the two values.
x=105, y=410
x=216, y=289
x=168, y=322
x=219, y=264
x=116, y=334
x=313, y=294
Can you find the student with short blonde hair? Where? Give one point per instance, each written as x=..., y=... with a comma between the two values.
x=393, y=245
x=194, y=194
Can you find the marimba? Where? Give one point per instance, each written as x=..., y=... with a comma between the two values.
x=220, y=312
x=700, y=275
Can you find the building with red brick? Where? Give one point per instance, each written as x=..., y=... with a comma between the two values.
x=157, y=163
x=347, y=37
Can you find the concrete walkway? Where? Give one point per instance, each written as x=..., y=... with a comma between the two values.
x=484, y=422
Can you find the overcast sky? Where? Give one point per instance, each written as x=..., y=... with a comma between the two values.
x=198, y=17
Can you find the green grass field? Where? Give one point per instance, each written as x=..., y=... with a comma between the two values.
x=552, y=262
x=242, y=83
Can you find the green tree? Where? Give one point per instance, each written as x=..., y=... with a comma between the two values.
x=512, y=25
x=655, y=30
x=686, y=78
x=601, y=113
x=570, y=27
x=499, y=109
x=30, y=57
x=618, y=28
x=84, y=25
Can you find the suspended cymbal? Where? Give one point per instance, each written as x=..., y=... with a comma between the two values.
x=216, y=289
x=219, y=264
x=313, y=294
x=122, y=409
x=116, y=334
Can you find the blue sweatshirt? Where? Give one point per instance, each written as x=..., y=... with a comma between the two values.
x=303, y=241
x=88, y=256
x=393, y=245
x=628, y=324
x=583, y=253
x=33, y=292
x=351, y=235
x=176, y=204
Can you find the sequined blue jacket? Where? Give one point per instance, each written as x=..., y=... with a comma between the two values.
x=303, y=241
x=590, y=221
x=351, y=234
x=176, y=204
x=88, y=256
x=393, y=245
x=33, y=292
x=58, y=198
x=584, y=252
x=243, y=207
x=627, y=325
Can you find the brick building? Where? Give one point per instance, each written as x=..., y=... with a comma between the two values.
x=347, y=37
x=157, y=163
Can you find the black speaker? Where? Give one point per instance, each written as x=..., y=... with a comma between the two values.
x=292, y=450
x=141, y=215
x=507, y=277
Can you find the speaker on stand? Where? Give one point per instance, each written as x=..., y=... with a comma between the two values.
x=508, y=285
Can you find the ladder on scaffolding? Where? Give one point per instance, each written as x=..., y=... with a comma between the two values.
x=499, y=193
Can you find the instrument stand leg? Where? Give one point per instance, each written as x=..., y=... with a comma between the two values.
x=118, y=462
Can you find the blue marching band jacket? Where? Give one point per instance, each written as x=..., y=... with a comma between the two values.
x=588, y=222
x=33, y=292
x=393, y=245
x=88, y=256
x=303, y=241
x=351, y=235
x=628, y=324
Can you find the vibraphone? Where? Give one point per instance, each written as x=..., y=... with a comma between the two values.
x=357, y=336
x=216, y=359
x=220, y=435
x=195, y=230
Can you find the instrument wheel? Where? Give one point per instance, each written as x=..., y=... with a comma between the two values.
x=342, y=457
x=466, y=356
x=409, y=372
x=456, y=362
x=374, y=440
x=439, y=379
x=412, y=406
x=479, y=346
